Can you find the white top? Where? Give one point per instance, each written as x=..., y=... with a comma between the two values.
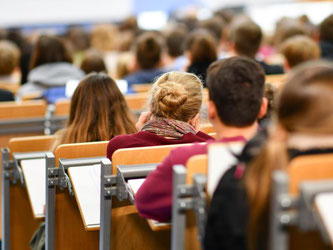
x=34, y=175
x=220, y=159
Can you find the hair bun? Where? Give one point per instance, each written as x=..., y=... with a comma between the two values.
x=170, y=97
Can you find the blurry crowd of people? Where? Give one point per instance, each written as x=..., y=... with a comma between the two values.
x=124, y=51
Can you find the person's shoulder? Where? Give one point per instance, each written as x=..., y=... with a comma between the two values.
x=6, y=95
x=180, y=155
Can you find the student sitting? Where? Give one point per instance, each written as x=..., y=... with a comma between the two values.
x=236, y=88
x=238, y=214
x=93, y=62
x=51, y=66
x=245, y=39
x=9, y=61
x=201, y=50
x=98, y=112
x=176, y=99
x=299, y=49
x=326, y=38
x=148, y=54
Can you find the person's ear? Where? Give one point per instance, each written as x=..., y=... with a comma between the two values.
x=212, y=111
x=195, y=122
x=263, y=108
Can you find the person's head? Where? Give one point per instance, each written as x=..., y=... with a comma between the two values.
x=103, y=37
x=245, y=38
x=326, y=29
x=299, y=49
x=148, y=50
x=98, y=111
x=49, y=49
x=287, y=28
x=215, y=25
x=175, y=40
x=93, y=62
x=236, y=89
x=9, y=57
x=176, y=95
x=305, y=108
x=201, y=47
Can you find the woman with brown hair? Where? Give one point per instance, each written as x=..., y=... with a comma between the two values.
x=201, y=50
x=98, y=112
x=173, y=118
x=50, y=66
x=238, y=216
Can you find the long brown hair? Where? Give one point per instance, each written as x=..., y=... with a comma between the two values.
x=98, y=111
x=305, y=106
x=49, y=49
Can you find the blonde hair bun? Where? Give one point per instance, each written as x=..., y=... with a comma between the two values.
x=170, y=96
x=176, y=95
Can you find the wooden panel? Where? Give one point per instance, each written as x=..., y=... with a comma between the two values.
x=276, y=80
x=142, y=155
x=142, y=88
x=137, y=101
x=197, y=164
x=80, y=150
x=22, y=222
x=303, y=168
x=62, y=107
x=31, y=143
x=207, y=128
x=24, y=109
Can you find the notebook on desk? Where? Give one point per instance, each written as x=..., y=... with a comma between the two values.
x=34, y=176
x=324, y=205
x=86, y=184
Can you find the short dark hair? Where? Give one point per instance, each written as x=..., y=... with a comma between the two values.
x=93, y=62
x=149, y=48
x=247, y=37
x=50, y=49
x=202, y=46
x=175, y=40
x=326, y=29
x=214, y=25
x=236, y=86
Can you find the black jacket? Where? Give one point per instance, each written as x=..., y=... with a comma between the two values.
x=326, y=48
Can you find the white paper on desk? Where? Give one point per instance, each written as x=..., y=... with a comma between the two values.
x=220, y=159
x=86, y=183
x=34, y=176
x=324, y=204
x=135, y=184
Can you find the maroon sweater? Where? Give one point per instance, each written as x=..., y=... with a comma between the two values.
x=154, y=198
x=145, y=139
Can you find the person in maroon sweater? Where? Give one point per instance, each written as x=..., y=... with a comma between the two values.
x=236, y=101
x=173, y=117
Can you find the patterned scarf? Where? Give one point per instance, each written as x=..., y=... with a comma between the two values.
x=168, y=128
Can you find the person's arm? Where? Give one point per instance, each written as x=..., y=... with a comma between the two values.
x=154, y=198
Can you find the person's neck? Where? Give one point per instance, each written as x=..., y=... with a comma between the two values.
x=223, y=131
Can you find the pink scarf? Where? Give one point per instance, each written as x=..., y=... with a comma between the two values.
x=168, y=128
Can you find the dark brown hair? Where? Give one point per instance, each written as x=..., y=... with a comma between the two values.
x=98, y=111
x=305, y=106
x=93, y=62
x=214, y=25
x=148, y=50
x=236, y=86
x=246, y=36
x=326, y=29
x=175, y=40
x=49, y=49
x=202, y=46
